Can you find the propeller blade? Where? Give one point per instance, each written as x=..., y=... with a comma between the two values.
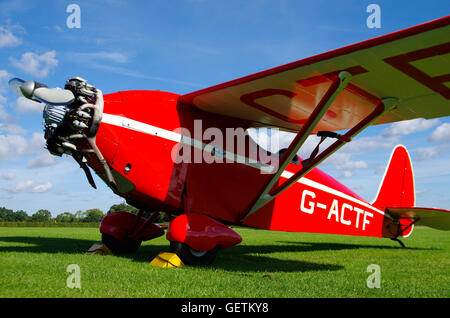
x=15, y=84
x=53, y=96
x=40, y=92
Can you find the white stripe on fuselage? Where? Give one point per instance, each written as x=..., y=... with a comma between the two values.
x=176, y=137
x=319, y=186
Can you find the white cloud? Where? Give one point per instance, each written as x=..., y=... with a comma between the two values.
x=3, y=114
x=11, y=128
x=36, y=142
x=8, y=125
x=5, y=76
x=27, y=185
x=20, y=187
x=7, y=38
x=380, y=169
x=8, y=176
x=346, y=174
x=42, y=187
x=352, y=165
x=36, y=65
x=273, y=140
x=426, y=153
x=410, y=126
x=441, y=133
x=364, y=144
x=13, y=145
x=276, y=139
x=108, y=56
x=44, y=159
x=25, y=105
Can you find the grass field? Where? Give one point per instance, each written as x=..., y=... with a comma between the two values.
x=33, y=263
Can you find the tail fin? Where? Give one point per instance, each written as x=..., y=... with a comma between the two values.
x=397, y=187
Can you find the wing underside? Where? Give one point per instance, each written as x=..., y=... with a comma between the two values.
x=412, y=65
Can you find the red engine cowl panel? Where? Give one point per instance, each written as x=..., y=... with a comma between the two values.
x=121, y=225
x=201, y=232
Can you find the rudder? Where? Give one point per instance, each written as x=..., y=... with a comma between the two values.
x=397, y=186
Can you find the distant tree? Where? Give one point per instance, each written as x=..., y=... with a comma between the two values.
x=41, y=216
x=65, y=217
x=21, y=216
x=79, y=215
x=93, y=215
x=6, y=215
x=129, y=208
x=161, y=218
x=123, y=207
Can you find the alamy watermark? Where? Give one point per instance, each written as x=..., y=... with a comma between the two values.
x=374, y=19
x=74, y=279
x=374, y=279
x=74, y=19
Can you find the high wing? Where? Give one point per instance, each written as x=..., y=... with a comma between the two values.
x=412, y=65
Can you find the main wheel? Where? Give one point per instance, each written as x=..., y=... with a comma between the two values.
x=119, y=247
x=193, y=257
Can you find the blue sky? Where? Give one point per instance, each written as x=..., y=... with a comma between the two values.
x=181, y=46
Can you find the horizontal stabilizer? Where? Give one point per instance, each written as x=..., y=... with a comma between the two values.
x=434, y=218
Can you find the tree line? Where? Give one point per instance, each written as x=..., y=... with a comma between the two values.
x=43, y=215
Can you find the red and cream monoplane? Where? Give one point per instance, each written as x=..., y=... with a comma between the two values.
x=191, y=156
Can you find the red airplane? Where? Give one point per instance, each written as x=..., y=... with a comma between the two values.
x=191, y=156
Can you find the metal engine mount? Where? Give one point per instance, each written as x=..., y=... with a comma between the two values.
x=71, y=128
x=63, y=121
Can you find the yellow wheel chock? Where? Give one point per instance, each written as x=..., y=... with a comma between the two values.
x=167, y=260
x=99, y=249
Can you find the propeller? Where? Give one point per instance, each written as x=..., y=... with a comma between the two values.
x=41, y=93
x=15, y=84
x=53, y=96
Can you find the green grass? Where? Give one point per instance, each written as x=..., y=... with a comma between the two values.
x=49, y=224
x=33, y=263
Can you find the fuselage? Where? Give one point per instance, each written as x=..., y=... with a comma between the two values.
x=163, y=154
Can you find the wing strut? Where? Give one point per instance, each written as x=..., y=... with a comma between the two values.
x=338, y=84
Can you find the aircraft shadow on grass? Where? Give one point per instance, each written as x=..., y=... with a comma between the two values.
x=243, y=258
